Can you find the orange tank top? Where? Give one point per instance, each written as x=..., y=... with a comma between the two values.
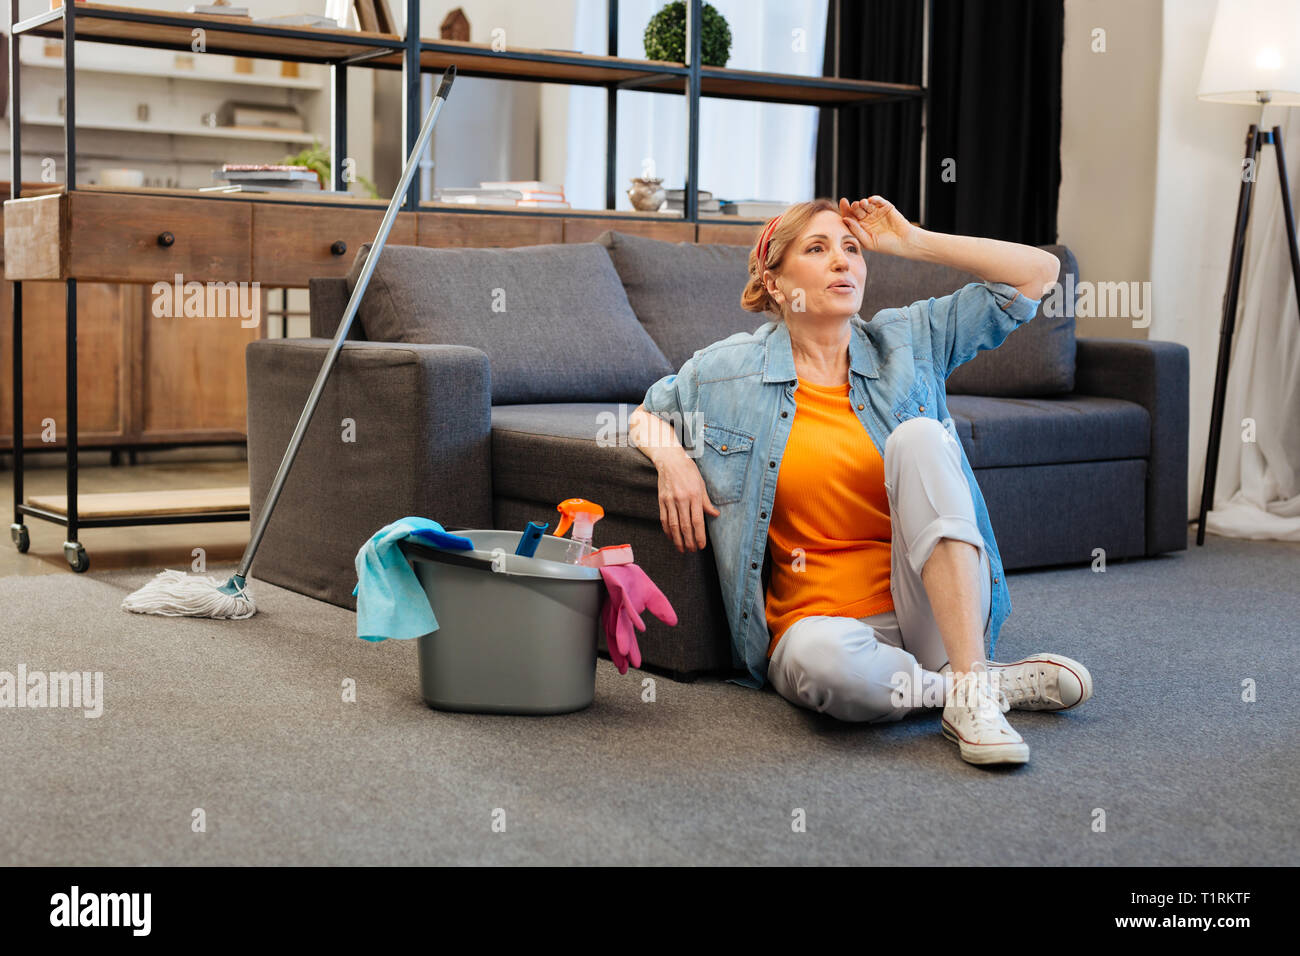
x=829, y=538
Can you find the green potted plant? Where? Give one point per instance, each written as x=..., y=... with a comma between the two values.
x=665, y=35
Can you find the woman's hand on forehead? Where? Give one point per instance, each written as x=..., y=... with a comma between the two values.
x=876, y=224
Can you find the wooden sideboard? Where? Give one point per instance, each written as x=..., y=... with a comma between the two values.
x=143, y=380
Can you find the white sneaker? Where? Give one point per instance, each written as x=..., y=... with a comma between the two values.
x=972, y=718
x=1043, y=682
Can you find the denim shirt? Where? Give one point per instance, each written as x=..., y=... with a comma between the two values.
x=732, y=404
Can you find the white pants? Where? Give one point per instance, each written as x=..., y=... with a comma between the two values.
x=847, y=667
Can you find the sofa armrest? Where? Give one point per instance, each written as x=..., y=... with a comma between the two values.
x=1155, y=376
x=399, y=430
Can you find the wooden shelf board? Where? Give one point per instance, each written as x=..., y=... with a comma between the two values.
x=803, y=90
x=478, y=59
x=95, y=21
x=30, y=192
x=122, y=503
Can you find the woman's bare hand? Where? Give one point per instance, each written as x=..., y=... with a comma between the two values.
x=877, y=225
x=683, y=500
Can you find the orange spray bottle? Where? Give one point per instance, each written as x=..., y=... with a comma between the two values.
x=582, y=514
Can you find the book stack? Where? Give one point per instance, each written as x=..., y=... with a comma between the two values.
x=533, y=193
x=516, y=192
x=752, y=208
x=675, y=201
x=473, y=196
x=266, y=177
x=372, y=16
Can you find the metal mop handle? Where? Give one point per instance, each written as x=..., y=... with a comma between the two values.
x=353, y=303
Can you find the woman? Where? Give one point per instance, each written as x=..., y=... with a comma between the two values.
x=820, y=447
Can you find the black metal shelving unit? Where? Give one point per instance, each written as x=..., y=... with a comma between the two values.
x=412, y=55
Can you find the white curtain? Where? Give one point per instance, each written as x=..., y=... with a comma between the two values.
x=747, y=150
x=1257, y=488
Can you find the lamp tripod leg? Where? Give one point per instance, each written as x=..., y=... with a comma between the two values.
x=1288, y=214
x=1226, y=327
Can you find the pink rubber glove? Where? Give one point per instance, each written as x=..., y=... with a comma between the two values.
x=629, y=592
x=609, y=617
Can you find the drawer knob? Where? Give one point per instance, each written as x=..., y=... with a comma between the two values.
x=338, y=247
x=165, y=239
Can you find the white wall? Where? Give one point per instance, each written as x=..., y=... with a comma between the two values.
x=1109, y=115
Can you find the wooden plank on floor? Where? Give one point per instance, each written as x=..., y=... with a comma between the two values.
x=176, y=501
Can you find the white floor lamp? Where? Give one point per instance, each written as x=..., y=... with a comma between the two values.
x=1253, y=58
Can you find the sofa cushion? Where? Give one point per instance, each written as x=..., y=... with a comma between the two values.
x=545, y=451
x=686, y=294
x=553, y=319
x=1035, y=359
x=550, y=452
x=1002, y=432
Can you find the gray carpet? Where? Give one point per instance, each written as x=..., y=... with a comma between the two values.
x=245, y=720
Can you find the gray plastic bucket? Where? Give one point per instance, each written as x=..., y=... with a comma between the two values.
x=517, y=640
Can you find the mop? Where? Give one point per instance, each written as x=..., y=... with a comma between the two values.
x=175, y=594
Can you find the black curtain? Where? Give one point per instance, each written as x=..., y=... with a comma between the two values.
x=879, y=144
x=995, y=110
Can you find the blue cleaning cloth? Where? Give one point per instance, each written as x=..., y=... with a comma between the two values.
x=390, y=600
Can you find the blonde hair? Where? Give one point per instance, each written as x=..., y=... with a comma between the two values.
x=794, y=220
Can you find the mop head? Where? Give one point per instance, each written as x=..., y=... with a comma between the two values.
x=176, y=594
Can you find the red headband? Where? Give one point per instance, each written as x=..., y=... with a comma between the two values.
x=762, y=242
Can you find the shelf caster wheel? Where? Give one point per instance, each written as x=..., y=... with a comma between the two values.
x=76, y=555
x=22, y=540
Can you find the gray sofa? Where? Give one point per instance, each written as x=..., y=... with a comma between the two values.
x=484, y=386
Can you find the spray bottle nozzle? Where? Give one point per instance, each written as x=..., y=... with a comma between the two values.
x=580, y=513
